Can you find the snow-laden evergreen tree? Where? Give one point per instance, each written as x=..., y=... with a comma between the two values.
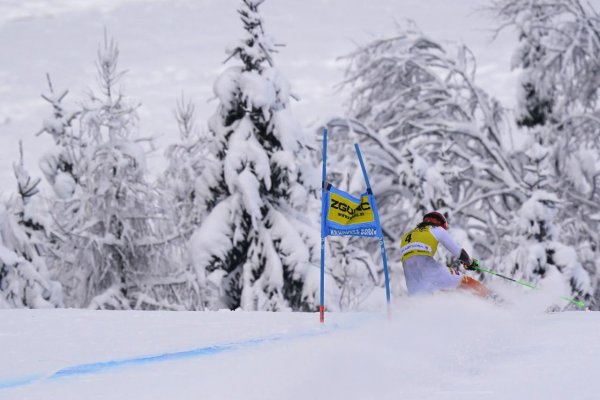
x=114, y=246
x=533, y=249
x=58, y=164
x=24, y=278
x=185, y=163
x=255, y=248
x=558, y=57
x=436, y=141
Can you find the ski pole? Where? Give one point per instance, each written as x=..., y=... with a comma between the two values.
x=578, y=303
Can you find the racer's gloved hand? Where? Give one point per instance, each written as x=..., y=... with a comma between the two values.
x=473, y=265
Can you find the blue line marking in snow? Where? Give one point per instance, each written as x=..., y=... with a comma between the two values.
x=25, y=380
x=92, y=368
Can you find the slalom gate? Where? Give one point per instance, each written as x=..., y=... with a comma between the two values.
x=345, y=215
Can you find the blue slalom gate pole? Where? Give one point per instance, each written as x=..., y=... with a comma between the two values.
x=379, y=230
x=323, y=233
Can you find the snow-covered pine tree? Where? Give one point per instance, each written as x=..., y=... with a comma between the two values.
x=114, y=246
x=58, y=164
x=434, y=138
x=534, y=253
x=256, y=244
x=185, y=163
x=558, y=56
x=534, y=249
x=24, y=278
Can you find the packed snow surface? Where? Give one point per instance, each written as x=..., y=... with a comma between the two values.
x=450, y=346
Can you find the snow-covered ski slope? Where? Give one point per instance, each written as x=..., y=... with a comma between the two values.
x=449, y=346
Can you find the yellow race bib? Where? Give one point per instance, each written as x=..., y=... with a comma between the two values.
x=418, y=242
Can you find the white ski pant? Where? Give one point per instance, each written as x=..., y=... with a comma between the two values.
x=425, y=275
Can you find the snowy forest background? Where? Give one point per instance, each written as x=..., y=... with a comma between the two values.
x=231, y=217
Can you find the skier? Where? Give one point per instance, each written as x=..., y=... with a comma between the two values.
x=422, y=272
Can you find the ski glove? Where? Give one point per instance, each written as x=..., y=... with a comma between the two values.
x=464, y=257
x=473, y=265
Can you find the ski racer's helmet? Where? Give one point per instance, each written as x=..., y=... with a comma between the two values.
x=435, y=218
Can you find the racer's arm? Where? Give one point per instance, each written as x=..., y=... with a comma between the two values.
x=446, y=240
